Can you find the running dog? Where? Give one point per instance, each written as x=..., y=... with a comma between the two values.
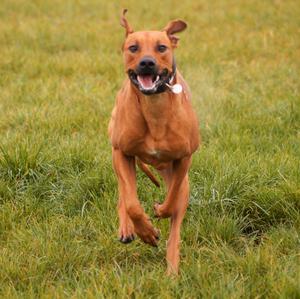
x=153, y=123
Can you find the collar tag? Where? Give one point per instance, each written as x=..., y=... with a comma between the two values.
x=176, y=88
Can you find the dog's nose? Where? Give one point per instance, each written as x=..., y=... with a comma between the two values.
x=147, y=62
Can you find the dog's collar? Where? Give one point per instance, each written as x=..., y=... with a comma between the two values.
x=172, y=75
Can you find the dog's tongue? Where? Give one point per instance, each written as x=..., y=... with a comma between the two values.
x=146, y=81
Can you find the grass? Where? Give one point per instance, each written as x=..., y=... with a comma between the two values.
x=60, y=68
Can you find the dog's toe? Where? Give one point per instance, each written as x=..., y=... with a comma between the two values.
x=156, y=211
x=126, y=239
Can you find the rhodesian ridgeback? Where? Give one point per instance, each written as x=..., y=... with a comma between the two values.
x=153, y=123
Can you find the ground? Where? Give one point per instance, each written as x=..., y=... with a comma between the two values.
x=60, y=69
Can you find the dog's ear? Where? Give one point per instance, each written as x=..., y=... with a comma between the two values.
x=125, y=23
x=174, y=27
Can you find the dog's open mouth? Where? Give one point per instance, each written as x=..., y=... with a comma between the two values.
x=148, y=83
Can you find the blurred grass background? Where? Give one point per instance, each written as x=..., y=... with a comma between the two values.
x=60, y=68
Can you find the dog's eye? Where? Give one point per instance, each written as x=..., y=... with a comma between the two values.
x=161, y=48
x=133, y=48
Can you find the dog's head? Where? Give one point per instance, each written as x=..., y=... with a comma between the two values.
x=148, y=55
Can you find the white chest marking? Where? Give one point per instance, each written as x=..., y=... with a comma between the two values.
x=154, y=153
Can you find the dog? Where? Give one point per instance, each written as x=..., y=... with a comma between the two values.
x=153, y=123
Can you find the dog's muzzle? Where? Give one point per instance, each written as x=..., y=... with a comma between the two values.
x=148, y=79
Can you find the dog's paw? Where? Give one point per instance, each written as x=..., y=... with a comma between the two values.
x=160, y=212
x=145, y=230
x=126, y=232
x=126, y=239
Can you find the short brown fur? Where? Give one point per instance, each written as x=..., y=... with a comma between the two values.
x=160, y=130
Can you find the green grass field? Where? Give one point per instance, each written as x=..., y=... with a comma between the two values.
x=60, y=68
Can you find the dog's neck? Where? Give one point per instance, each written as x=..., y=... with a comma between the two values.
x=157, y=109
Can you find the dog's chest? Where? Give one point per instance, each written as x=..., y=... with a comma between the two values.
x=168, y=148
x=159, y=133
x=166, y=145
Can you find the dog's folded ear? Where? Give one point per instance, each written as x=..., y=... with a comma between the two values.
x=125, y=23
x=174, y=27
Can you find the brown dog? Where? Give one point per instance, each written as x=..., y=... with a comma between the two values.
x=153, y=123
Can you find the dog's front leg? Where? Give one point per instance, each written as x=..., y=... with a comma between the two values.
x=175, y=207
x=130, y=209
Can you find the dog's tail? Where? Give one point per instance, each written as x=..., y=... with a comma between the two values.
x=147, y=171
